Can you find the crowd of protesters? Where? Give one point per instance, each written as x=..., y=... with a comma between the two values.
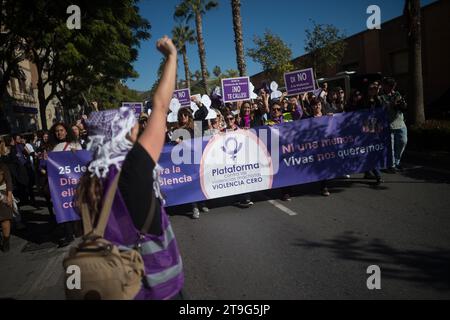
x=23, y=158
x=270, y=110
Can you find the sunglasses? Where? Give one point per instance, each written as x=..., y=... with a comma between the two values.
x=230, y=118
x=276, y=109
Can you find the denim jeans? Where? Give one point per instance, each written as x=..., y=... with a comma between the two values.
x=399, y=138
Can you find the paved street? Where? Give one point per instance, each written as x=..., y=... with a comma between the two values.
x=310, y=248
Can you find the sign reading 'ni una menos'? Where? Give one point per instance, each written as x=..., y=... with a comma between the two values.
x=183, y=96
x=300, y=81
x=236, y=89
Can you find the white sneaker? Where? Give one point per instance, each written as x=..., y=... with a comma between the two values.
x=196, y=214
x=205, y=209
x=246, y=204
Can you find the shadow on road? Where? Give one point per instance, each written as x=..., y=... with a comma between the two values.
x=430, y=268
x=427, y=175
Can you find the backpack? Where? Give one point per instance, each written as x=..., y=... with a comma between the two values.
x=107, y=272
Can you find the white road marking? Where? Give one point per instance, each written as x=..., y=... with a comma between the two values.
x=279, y=206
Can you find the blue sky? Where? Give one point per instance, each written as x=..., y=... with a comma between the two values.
x=286, y=18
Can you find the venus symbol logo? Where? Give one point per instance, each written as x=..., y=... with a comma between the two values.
x=232, y=147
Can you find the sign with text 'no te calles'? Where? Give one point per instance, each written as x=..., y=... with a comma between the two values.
x=183, y=96
x=300, y=81
x=236, y=89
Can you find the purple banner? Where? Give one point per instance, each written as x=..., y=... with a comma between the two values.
x=236, y=89
x=294, y=153
x=183, y=96
x=64, y=171
x=301, y=81
x=138, y=107
x=246, y=161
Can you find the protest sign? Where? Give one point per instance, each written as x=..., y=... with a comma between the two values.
x=236, y=89
x=64, y=172
x=263, y=158
x=183, y=96
x=138, y=107
x=300, y=81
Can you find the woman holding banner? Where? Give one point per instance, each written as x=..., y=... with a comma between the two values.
x=186, y=122
x=128, y=164
x=62, y=139
x=276, y=117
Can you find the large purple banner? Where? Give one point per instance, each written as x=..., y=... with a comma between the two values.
x=64, y=172
x=246, y=161
x=290, y=154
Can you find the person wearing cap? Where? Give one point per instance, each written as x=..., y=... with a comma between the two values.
x=122, y=158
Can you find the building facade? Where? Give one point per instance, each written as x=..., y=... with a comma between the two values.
x=385, y=51
x=20, y=106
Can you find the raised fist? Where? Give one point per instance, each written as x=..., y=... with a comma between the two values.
x=166, y=46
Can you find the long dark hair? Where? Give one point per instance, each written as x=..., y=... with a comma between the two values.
x=70, y=137
x=90, y=193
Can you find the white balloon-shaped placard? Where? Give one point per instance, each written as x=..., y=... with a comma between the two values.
x=194, y=107
x=276, y=94
x=253, y=95
x=206, y=101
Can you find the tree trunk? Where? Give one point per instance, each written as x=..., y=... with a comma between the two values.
x=238, y=37
x=201, y=50
x=186, y=68
x=41, y=92
x=413, y=16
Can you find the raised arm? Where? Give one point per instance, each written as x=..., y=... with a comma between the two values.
x=153, y=137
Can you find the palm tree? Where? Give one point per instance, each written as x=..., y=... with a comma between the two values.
x=183, y=35
x=238, y=37
x=197, y=75
x=217, y=71
x=195, y=9
x=413, y=15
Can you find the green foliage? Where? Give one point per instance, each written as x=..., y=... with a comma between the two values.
x=325, y=46
x=183, y=35
x=273, y=54
x=432, y=135
x=217, y=71
x=74, y=61
x=187, y=9
x=111, y=97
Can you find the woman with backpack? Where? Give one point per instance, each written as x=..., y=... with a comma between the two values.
x=124, y=178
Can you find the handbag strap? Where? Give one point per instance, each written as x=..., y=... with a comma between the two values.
x=106, y=209
x=99, y=230
x=86, y=218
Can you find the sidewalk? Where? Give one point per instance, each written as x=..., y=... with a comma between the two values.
x=32, y=269
x=434, y=159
